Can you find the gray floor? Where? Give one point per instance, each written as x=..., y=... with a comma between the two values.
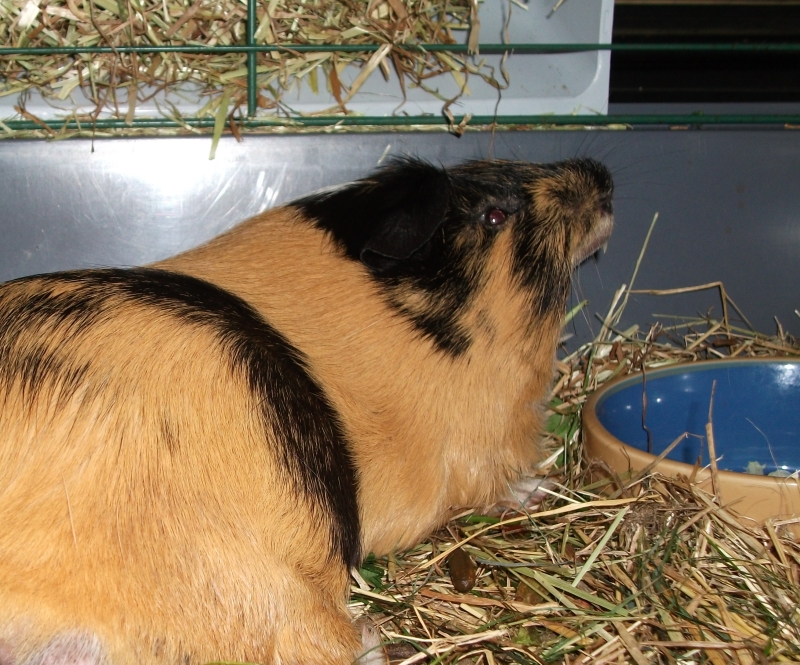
x=728, y=204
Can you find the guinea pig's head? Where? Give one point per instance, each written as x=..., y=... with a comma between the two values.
x=443, y=244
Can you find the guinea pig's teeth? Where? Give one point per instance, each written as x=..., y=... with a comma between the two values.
x=596, y=240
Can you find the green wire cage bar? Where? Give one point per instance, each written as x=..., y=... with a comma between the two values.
x=252, y=121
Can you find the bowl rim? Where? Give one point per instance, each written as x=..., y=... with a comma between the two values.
x=640, y=459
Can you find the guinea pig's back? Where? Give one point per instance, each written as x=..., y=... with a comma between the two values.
x=147, y=442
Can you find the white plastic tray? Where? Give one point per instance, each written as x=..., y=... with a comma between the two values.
x=563, y=83
x=558, y=83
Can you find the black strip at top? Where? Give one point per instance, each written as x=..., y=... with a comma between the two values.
x=313, y=443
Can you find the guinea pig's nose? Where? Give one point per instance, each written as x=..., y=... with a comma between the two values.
x=606, y=205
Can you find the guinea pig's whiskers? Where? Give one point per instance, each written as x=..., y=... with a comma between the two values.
x=359, y=331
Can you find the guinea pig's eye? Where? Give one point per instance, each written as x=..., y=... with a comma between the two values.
x=495, y=217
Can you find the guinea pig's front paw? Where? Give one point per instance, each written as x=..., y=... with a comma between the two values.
x=372, y=651
x=525, y=494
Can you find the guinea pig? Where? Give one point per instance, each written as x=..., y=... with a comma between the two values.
x=194, y=454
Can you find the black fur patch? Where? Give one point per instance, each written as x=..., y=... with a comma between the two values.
x=399, y=224
x=382, y=221
x=33, y=364
x=314, y=446
x=445, y=209
x=424, y=233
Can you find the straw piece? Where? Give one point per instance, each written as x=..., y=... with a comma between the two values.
x=712, y=448
x=219, y=122
x=630, y=644
x=597, y=550
x=642, y=251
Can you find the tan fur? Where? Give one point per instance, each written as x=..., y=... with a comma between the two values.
x=402, y=401
x=207, y=554
x=222, y=556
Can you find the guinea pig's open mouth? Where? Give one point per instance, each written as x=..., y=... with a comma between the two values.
x=595, y=239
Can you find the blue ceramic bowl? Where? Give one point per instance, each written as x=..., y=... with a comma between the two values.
x=756, y=424
x=756, y=413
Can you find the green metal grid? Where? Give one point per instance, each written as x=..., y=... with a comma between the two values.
x=542, y=121
x=252, y=49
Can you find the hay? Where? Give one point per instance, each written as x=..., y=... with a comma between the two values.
x=116, y=82
x=625, y=570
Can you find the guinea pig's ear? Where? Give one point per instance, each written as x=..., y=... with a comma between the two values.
x=383, y=220
x=409, y=203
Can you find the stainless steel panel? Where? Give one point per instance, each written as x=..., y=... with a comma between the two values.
x=729, y=203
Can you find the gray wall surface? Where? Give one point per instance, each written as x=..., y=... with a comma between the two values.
x=728, y=204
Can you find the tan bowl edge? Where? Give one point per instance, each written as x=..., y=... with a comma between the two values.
x=758, y=498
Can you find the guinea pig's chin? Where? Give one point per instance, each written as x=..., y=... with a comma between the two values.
x=594, y=240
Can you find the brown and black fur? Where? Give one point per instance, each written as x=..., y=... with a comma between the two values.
x=193, y=454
